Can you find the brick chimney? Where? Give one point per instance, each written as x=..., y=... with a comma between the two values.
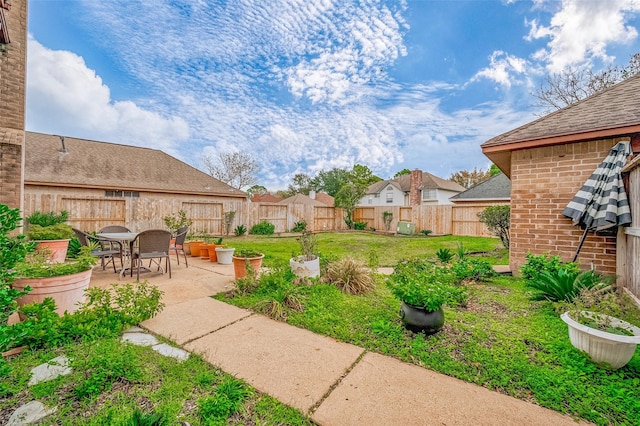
x=415, y=187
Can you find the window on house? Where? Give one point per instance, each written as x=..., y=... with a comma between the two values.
x=122, y=194
x=428, y=194
x=389, y=194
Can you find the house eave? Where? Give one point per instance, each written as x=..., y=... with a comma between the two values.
x=132, y=188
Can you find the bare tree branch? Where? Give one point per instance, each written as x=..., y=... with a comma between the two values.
x=233, y=168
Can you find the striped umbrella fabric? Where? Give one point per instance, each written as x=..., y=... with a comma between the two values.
x=602, y=202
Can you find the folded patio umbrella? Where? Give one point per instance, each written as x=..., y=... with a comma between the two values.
x=602, y=202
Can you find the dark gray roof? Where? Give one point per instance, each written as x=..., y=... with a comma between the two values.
x=497, y=187
x=92, y=164
x=403, y=183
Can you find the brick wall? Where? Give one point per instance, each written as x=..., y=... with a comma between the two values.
x=543, y=181
x=414, y=190
x=12, y=104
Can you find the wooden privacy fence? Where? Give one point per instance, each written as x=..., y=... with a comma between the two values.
x=91, y=212
x=628, y=241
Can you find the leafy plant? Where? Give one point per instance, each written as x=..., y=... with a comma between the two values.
x=240, y=230
x=176, y=221
x=424, y=284
x=47, y=219
x=247, y=253
x=59, y=231
x=498, y=220
x=444, y=255
x=387, y=218
x=299, y=226
x=140, y=418
x=218, y=241
x=263, y=228
x=426, y=232
x=350, y=276
x=473, y=269
x=35, y=265
x=535, y=265
x=226, y=400
x=563, y=284
x=308, y=246
x=461, y=252
x=284, y=298
x=13, y=250
x=228, y=222
x=360, y=226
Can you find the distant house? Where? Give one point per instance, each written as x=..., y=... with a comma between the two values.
x=549, y=159
x=265, y=198
x=302, y=199
x=495, y=190
x=102, y=183
x=417, y=188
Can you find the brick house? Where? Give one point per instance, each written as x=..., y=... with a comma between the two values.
x=549, y=159
x=13, y=59
x=414, y=189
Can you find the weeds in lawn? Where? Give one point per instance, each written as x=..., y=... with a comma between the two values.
x=282, y=300
x=444, y=255
x=226, y=400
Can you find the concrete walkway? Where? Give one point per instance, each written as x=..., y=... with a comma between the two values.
x=334, y=383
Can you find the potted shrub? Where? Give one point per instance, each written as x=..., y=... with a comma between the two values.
x=423, y=288
x=13, y=250
x=595, y=326
x=213, y=256
x=245, y=260
x=51, y=232
x=65, y=282
x=308, y=263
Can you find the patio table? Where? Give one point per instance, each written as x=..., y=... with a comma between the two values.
x=124, y=238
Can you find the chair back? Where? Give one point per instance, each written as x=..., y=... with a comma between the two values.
x=182, y=235
x=82, y=237
x=153, y=241
x=114, y=229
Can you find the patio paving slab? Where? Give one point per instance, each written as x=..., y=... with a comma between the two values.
x=385, y=391
x=194, y=318
x=293, y=365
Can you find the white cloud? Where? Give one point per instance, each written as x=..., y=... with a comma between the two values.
x=503, y=69
x=580, y=31
x=65, y=97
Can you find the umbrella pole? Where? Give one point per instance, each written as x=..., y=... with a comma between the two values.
x=584, y=237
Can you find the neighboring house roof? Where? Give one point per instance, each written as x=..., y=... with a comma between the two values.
x=92, y=164
x=403, y=183
x=302, y=199
x=265, y=198
x=497, y=187
x=325, y=199
x=609, y=113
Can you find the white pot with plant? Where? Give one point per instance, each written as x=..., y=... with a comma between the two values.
x=306, y=264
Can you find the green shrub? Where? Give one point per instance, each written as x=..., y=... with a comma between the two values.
x=263, y=228
x=240, y=230
x=299, y=226
x=226, y=400
x=563, y=284
x=498, y=220
x=535, y=265
x=426, y=232
x=360, y=226
x=47, y=219
x=176, y=221
x=444, y=255
x=473, y=269
x=59, y=231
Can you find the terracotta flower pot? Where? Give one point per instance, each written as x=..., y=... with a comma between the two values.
x=66, y=290
x=187, y=247
x=241, y=264
x=195, y=248
x=204, y=251
x=213, y=256
x=57, y=249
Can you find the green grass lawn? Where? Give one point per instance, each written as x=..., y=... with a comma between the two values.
x=388, y=249
x=501, y=340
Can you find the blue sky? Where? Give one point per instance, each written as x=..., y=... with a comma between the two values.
x=307, y=85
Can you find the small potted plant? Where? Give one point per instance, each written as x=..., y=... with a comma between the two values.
x=225, y=255
x=423, y=288
x=595, y=327
x=306, y=264
x=64, y=282
x=51, y=232
x=213, y=255
x=245, y=260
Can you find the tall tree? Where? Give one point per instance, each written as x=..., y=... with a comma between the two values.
x=468, y=178
x=402, y=172
x=569, y=86
x=256, y=190
x=362, y=176
x=348, y=198
x=494, y=170
x=301, y=184
x=237, y=169
x=331, y=181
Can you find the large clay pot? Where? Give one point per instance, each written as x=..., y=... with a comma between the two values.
x=305, y=268
x=241, y=264
x=213, y=255
x=57, y=249
x=66, y=290
x=418, y=319
x=204, y=251
x=195, y=248
x=187, y=248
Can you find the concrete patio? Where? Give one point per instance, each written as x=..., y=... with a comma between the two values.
x=334, y=383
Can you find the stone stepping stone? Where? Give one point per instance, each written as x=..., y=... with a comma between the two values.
x=140, y=339
x=29, y=413
x=170, y=351
x=58, y=366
